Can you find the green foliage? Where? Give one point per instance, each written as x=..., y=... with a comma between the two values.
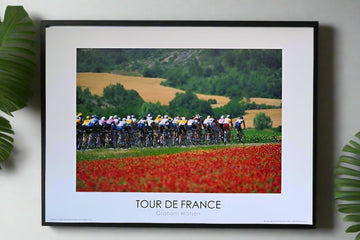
x=347, y=184
x=234, y=73
x=18, y=68
x=253, y=105
x=278, y=129
x=263, y=136
x=212, y=101
x=6, y=140
x=188, y=104
x=262, y=121
x=234, y=107
x=116, y=100
x=153, y=109
x=125, y=73
x=116, y=95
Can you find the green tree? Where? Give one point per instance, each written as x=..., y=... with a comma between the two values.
x=188, y=104
x=262, y=121
x=117, y=95
x=235, y=108
x=153, y=109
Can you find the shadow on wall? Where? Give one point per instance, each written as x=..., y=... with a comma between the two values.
x=325, y=203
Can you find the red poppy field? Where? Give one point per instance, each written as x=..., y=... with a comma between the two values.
x=251, y=169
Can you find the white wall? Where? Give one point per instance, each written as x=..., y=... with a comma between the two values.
x=339, y=55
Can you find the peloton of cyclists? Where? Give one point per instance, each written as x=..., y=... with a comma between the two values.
x=162, y=128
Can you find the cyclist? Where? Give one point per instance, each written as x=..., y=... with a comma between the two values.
x=149, y=117
x=221, y=125
x=123, y=129
x=122, y=125
x=182, y=128
x=208, y=124
x=192, y=128
x=102, y=123
x=150, y=122
x=116, y=120
x=141, y=123
x=129, y=121
x=240, y=132
x=198, y=127
x=79, y=121
x=133, y=119
x=79, y=130
x=175, y=122
x=86, y=121
x=94, y=122
x=228, y=125
x=158, y=119
x=79, y=118
x=191, y=123
x=141, y=128
x=111, y=123
x=164, y=123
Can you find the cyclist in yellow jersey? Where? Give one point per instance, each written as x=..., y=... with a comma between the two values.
x=79, y=118
x=182, y=124
x=86, y=121
x=228, y=125
x=128, y=120
x=158, y=119
x=79, y=131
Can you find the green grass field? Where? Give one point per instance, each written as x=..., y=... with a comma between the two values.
x=264, y=136
x=104, y=153
x=252, y=136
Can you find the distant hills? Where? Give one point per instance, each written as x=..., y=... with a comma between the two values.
x=234, y=73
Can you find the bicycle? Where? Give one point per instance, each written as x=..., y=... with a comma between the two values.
x=241, y=135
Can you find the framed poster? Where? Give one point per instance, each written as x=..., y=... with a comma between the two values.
x=179, y=123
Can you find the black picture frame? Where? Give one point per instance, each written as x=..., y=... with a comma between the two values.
x=57, y=36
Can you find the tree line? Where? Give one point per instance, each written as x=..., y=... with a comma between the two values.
x=116, y=100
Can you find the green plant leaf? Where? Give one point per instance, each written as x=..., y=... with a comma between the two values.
x=357, y=135
x=351, y=149
x=349, y=160
x=17, y=70
x=353, y=228
x=348, y=208
x=340, y=170
x=347, y=184
x=6, y=140
x=352, y=218
x=347, y=195
x=17, y=61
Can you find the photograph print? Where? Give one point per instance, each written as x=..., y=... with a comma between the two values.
x=179, y=120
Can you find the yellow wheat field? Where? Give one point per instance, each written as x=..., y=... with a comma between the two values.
x=274, y=114
x=148, y=88
x=267, y=101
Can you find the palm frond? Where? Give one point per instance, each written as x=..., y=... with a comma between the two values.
x=17, y=63
x=17, y=70
x=347, y=184
x=6, y=140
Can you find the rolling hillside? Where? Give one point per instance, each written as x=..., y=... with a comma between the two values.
x=148, y=88
x=151, y=90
